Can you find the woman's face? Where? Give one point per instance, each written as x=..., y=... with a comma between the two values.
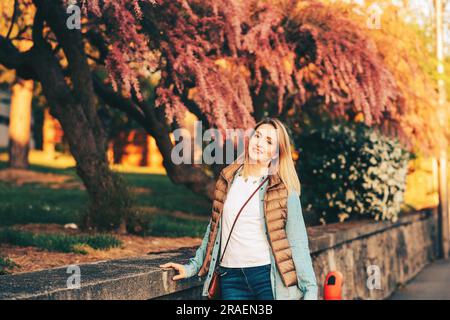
x=263, y=145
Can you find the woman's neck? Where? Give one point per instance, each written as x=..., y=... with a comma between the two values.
x=257, y=169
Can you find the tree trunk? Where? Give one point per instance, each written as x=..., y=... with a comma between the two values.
x=110, y=201
x=75, y=106
x=20, y=123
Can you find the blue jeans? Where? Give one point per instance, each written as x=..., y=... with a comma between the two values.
x=250, y=283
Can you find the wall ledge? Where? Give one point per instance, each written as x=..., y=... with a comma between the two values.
x=141, y=277
x=331, y=235
x=131, y=278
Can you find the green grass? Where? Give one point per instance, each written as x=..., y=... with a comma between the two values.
x=58, y=242
x=167, y=226
x=37, y=203
x=166, y=195
x=67, y=171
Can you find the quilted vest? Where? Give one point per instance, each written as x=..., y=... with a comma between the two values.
x=275, y=212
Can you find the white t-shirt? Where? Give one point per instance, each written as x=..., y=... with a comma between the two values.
x=248, y=245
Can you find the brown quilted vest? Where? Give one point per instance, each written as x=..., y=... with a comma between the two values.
x=275, y=211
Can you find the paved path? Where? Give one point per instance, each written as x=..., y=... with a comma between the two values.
x=432, y=283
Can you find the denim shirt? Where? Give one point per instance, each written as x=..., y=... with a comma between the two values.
x=306, y=288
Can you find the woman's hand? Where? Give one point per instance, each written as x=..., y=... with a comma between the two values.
x=179, y=267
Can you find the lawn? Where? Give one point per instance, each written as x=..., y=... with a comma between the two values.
x=170, y=212
x=38, y=203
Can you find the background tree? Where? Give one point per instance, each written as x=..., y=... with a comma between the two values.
x=407, y=42
x=228, y=62
x=58, y=61
x=256, y=48
x=20, y=123
x=19, y=119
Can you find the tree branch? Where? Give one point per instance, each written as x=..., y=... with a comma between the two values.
x=13, y=19
x=145, y=114
x=12, y=58
x=116, y=101
x=72, y=44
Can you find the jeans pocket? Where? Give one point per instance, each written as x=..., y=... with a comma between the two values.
x=222, y=271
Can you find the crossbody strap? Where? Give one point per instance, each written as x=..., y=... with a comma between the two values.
x=237, y=216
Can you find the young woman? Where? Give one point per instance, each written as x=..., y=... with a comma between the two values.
x=267, y=256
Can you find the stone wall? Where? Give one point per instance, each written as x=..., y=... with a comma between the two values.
x=398, y=250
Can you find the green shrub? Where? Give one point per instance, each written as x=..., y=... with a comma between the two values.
x=349, y=170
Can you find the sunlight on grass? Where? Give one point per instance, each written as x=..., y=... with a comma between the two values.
x=63, y=161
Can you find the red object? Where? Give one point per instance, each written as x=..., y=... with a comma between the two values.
x=332, y=289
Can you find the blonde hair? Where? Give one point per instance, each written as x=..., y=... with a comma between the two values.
x=284, y=162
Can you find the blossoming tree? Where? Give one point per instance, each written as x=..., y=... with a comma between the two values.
x=228, y=62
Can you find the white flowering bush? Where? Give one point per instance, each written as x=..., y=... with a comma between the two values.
x=349, y=171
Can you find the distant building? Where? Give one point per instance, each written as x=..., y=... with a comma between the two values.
x=131, y=148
